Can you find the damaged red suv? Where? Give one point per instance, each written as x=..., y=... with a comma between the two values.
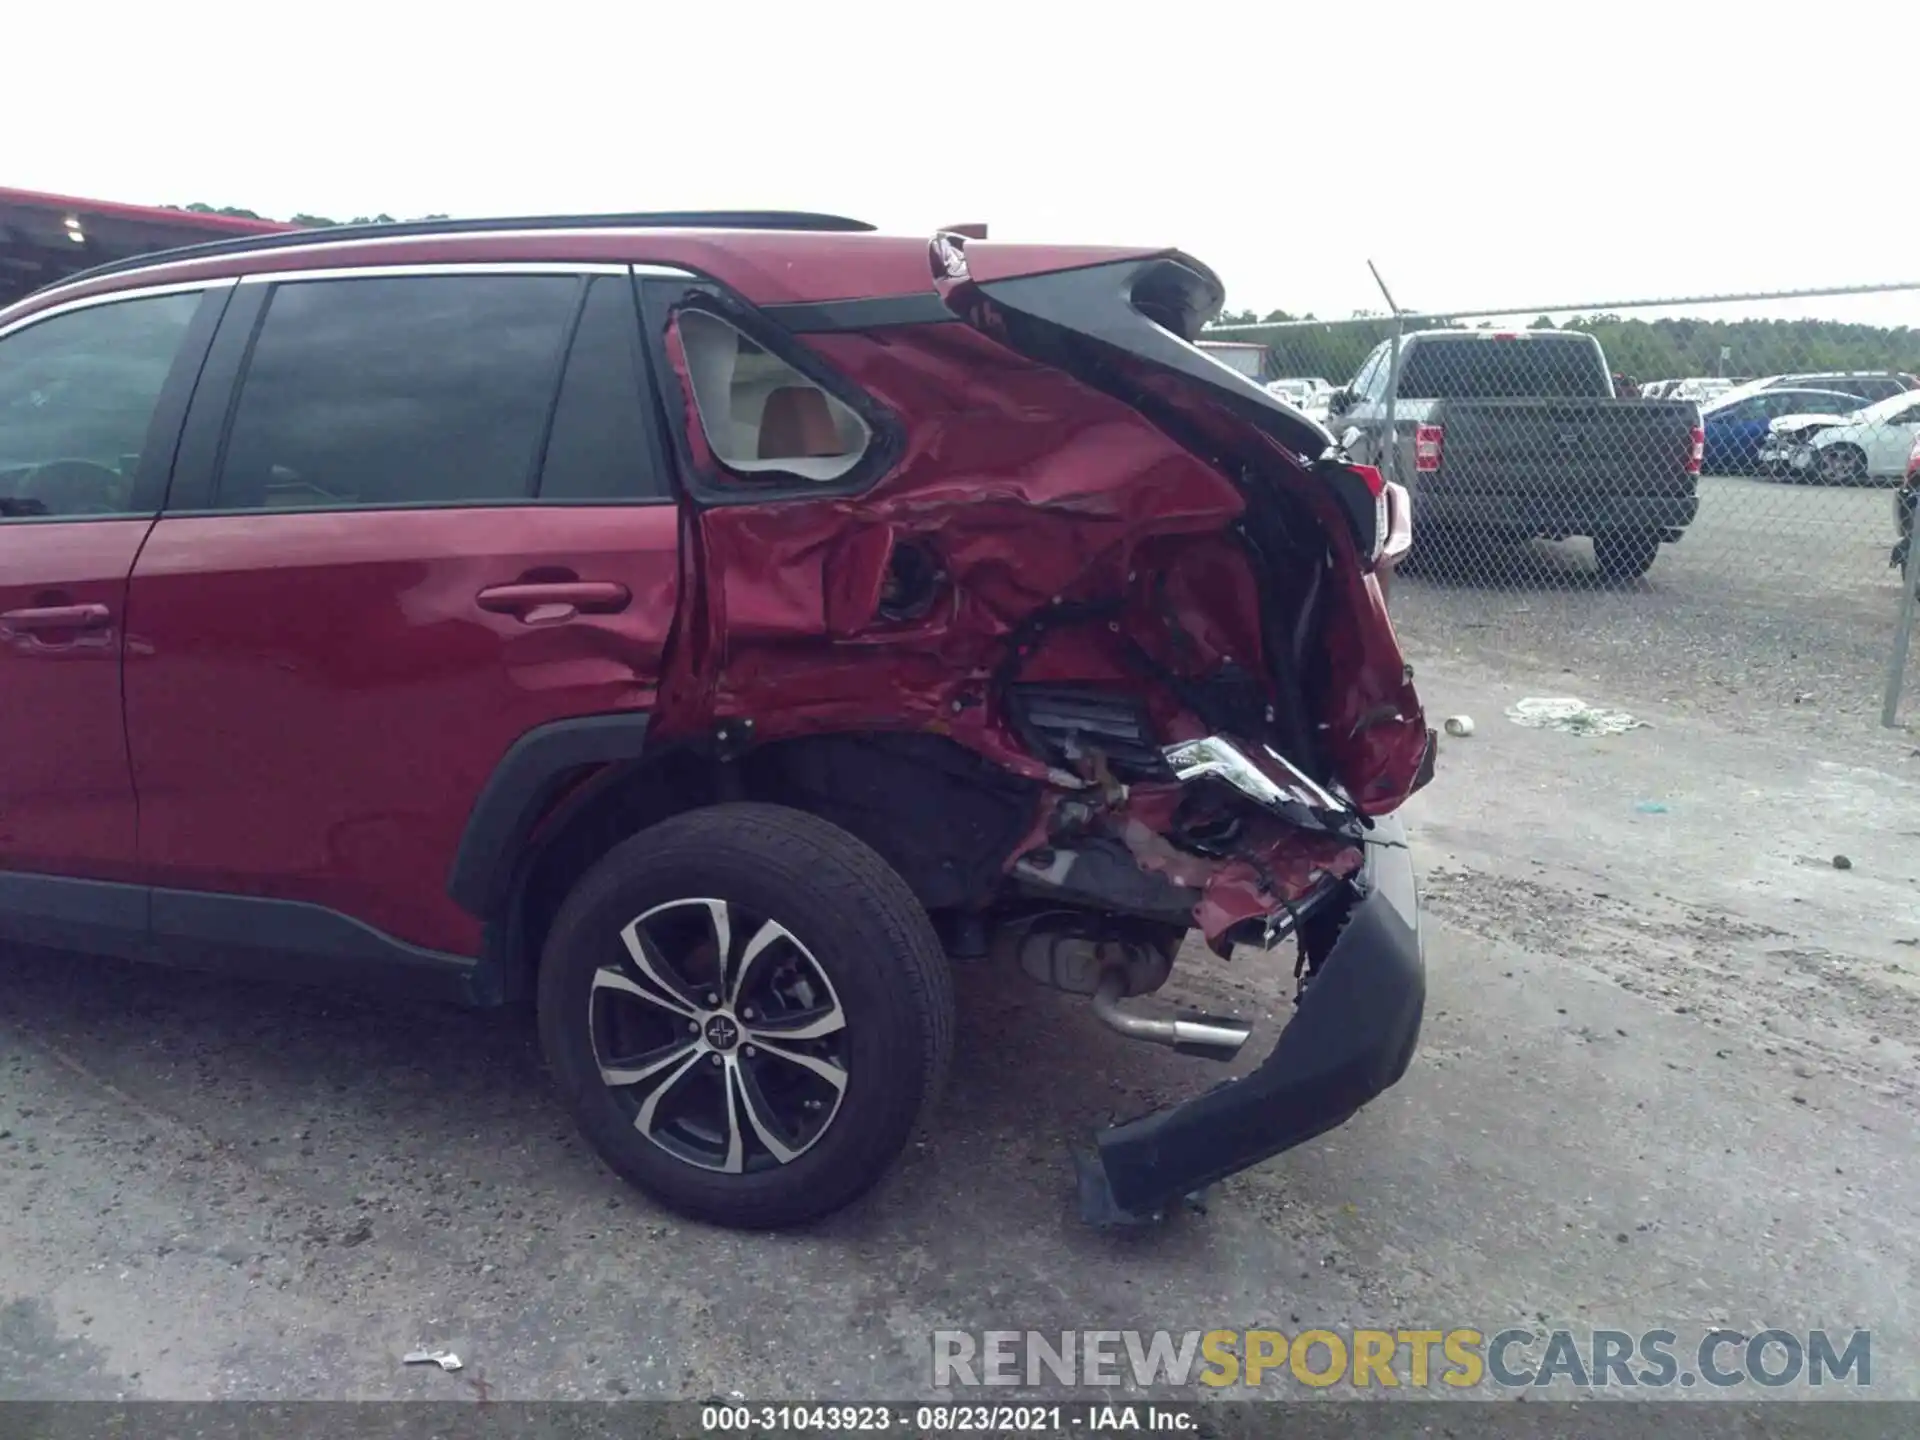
x=703, y=626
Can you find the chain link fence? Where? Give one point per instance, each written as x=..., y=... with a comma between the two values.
x=1749, y=471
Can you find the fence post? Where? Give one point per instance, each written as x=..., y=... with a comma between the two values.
x=1392, y=468
x=1902, y=633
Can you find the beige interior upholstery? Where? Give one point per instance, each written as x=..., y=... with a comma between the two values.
x=759, y=413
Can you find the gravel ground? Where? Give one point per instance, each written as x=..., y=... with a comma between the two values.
x=1667, y=1078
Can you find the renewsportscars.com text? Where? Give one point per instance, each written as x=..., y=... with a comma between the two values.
x=1459, y=1358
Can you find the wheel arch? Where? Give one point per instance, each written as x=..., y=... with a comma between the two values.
x=568, y=801
x=535, y=772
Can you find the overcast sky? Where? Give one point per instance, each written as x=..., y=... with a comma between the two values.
x=1479, y=153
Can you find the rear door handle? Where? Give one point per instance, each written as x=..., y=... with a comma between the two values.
x=546, y=601
x=56, y=617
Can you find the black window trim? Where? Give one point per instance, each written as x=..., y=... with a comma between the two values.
x=209, y=420
x=667, y=491
x=661, y=299
x=165, y=427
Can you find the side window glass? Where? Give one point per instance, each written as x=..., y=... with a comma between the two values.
x=1382, y=372
x=397, y=390
x=1364, y=379
x=759, y=414
x=77, y=392
x=599, y=447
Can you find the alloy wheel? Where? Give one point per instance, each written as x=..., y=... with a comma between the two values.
x=721, y=1035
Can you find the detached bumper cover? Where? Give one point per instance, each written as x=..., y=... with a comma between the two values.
x=1351, y=1038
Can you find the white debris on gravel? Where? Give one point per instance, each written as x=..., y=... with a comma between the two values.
x=445, y=1359
x=1572, y=715
x=1459, y=724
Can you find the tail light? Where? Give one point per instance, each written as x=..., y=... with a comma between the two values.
x=1699, y=451
x=1399, y=527
x=1426, y=447
x=1362, y=493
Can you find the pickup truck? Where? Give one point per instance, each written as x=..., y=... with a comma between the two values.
x=1504, y=436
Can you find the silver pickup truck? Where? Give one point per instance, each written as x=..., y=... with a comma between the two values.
x=1511, y=435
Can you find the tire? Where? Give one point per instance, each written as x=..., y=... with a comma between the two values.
x=1841, y=465
x=1626, y=554
x=827, y=944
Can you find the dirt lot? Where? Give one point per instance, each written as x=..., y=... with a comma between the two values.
x=1667, y=1079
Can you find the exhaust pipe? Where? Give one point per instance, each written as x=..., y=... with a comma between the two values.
x=1211, y=1037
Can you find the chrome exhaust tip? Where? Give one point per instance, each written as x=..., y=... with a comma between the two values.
x=1211, y=1037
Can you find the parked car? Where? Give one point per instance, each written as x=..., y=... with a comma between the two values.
x=1510, y=435
x=1702, y=391
x=1905, y=500
x=1870, y=443
x=699, y=625
x=1870, y=384
x=1737, y=428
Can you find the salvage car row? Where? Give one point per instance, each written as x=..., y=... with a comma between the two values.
x=1838, y=428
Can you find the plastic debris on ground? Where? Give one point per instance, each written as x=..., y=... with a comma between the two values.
x=1651, y=807
x=1572, y=715
x=1459, y=724
x=445, y=1359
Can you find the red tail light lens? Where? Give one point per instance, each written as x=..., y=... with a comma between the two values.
x=1426, y=446
x=1371, y=476
x=1699, y=451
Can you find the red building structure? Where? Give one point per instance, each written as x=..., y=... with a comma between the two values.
x=44, y=238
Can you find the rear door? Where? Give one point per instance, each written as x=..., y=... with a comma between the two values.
x=417, y=513
x=91, y=399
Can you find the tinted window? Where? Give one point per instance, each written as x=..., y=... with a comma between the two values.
x=398, y=391
x=1873, y=387
x=1364, y=377
x=598, y=449
x=1473, y=368
x=77, y=393
x=1814, y=402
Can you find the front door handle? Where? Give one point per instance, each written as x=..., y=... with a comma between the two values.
x=56, y=617
x=545, y=601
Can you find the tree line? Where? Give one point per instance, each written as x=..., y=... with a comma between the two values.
x=317, y=222
x=1645, y=349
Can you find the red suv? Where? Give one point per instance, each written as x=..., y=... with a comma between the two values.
x=703, y=625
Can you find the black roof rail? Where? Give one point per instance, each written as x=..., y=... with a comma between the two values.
x=401, y=229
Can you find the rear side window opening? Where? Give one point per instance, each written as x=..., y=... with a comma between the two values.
x=760, y=415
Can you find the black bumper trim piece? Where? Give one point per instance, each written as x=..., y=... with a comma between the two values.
x=1351, y=1038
